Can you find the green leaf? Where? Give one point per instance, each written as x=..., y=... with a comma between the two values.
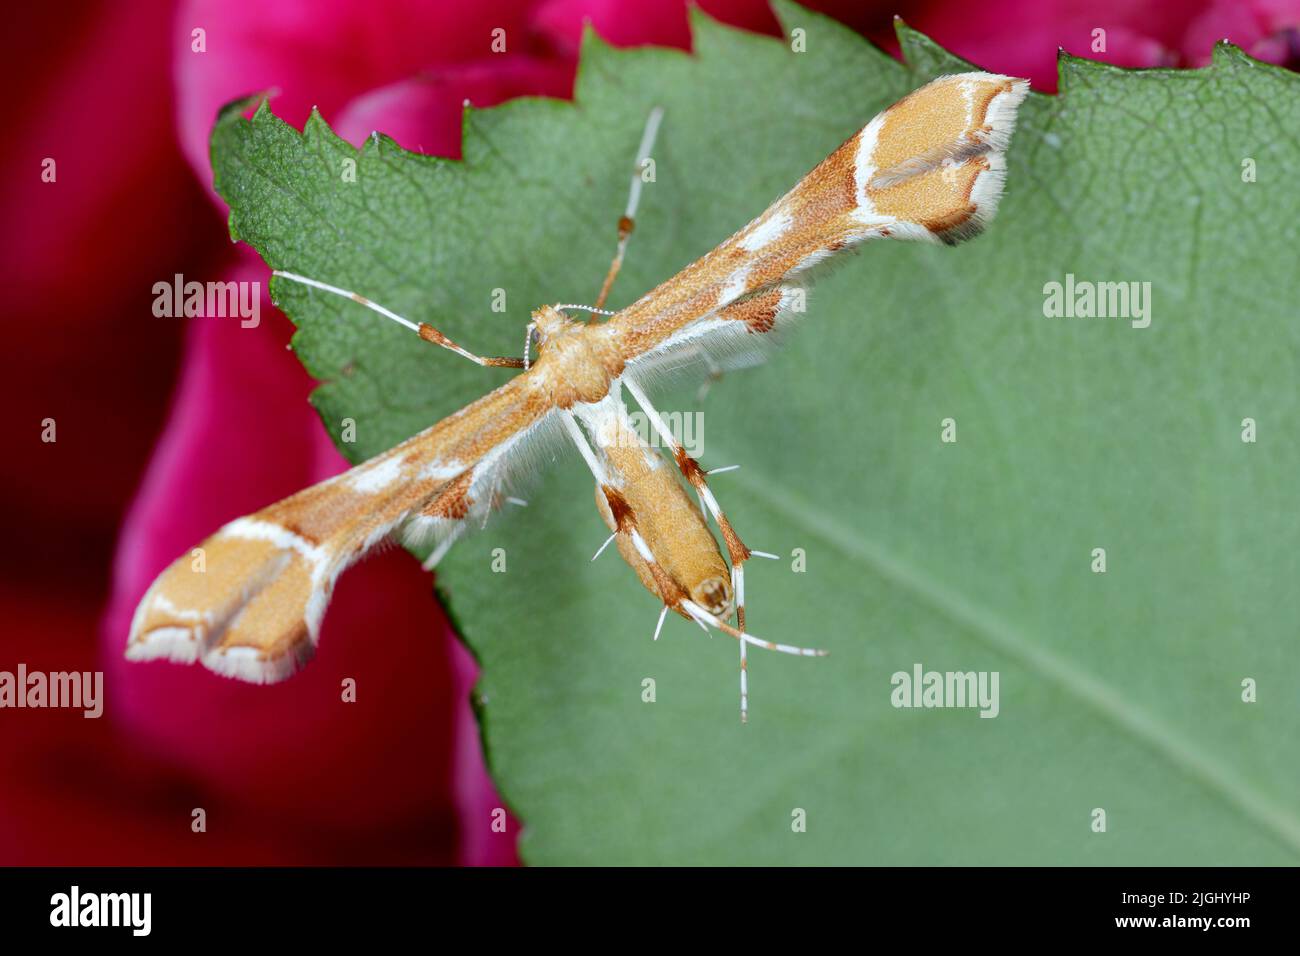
x=1120, y=691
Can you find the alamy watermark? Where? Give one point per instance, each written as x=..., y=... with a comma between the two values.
x=927, y=689
x=180, y=299
x=1083, y=299
x=79, y=690
x=75, y=908
x=686, y=429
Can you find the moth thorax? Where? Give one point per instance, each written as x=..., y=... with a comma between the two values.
x=578, y=366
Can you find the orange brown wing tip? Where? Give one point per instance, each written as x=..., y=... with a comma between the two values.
x=249, y=608
x=932, y=166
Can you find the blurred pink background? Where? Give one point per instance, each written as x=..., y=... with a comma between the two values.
x=167, y=428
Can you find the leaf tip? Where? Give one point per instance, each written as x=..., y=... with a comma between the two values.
x=591, y=41
x=1225, y=52
x=923, y=54
x=235, y=109
x=315, y=122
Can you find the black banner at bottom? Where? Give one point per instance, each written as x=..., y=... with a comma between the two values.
x=91, y=905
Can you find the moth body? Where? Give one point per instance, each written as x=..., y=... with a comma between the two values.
x=250, y=600
x=647, y=491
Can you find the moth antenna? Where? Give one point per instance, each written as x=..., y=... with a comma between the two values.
x=528, y=343
x=585, y=308
x=423, y=329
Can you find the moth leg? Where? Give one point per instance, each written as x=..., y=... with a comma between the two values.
x=440, y=552
x=737, y=553
x=627, y=222
x=703, y=616
x=713, y=372
x=606, y=544
x=423, y=329
x=715, y=375
x=492, y=504
x=598, y=470
x=744, y=683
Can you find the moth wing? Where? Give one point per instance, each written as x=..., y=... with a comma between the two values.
x=739, y=335
x=252, y=607
x=931, y=167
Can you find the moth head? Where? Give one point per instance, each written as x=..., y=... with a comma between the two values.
x=549, y=323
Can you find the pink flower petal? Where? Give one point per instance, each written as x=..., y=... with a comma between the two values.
x=425, y=114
